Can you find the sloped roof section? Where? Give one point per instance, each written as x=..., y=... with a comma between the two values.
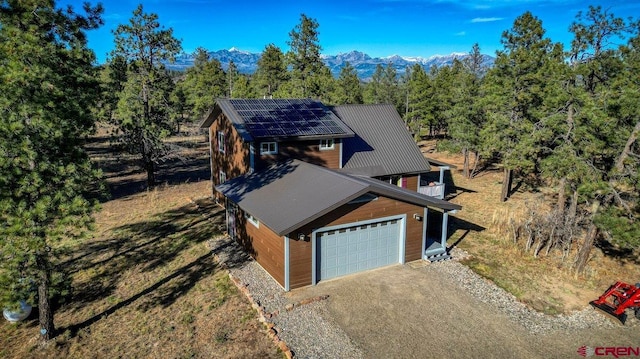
x=291, y=194
x=382, y=145
x=280, y=119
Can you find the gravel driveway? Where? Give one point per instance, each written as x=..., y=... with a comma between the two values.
x=423, y=311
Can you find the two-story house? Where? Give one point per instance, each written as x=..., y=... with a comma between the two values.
x=314, y=193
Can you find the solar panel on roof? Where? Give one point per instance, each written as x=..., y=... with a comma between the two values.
x=287, y=118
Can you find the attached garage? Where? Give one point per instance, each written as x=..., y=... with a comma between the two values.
x=305, y=224
x=358, y=247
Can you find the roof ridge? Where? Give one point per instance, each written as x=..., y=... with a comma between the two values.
x=333, y=171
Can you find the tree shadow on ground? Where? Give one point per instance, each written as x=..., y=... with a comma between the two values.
x=189, y=162
x=163, y=292
x=143, y=246
x=460, y=225
x=620, y=254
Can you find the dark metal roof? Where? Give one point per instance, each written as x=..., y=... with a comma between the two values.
x=382, y=145
x=280, y=119
x=291, y=194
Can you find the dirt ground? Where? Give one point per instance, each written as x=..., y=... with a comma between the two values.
x=406, y=312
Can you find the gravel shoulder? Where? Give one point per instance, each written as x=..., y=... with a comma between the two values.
x=423, y=310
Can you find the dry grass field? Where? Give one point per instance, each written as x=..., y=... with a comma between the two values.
x=146, y=283
x=545, y=283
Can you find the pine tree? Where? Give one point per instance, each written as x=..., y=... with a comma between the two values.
x=467, y=118
x=349, y=88
x=244, y=87
x=304, y=56
x=232, y=77
x=420, y=111
x=271, y=72
x=143, y=107
x=605, y=126
x=515, y=94
x=204, y=82
x=48, y=87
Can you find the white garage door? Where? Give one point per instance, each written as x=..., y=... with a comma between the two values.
x=358, y=248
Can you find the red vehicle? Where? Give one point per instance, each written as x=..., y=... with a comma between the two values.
x=618, y=298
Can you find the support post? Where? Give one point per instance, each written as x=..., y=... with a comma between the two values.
x=445, y=229
x=442, y=169
x=424, y=233
x=287, y=253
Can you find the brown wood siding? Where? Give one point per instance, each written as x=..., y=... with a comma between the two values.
x=307, y=151
x=299, y=262
x=412, y=182
x=266, y=247
x=350, y=213
x=235, y=159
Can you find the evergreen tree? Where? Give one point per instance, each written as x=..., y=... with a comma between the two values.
x=304, y=56
x=179, y=106
x=516, y=88
x=243, y=87
x=143, y=111
x=204, y=82
x=349, y=90
x=420, y=111
x=48, y=87
x=467, y=117
x=271, y=72
x=232, y=76
x=383, y=87
x=113, y=76
x=326, y=85
x=602, y=127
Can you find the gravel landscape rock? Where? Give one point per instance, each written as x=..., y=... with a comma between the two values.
x=311, y=332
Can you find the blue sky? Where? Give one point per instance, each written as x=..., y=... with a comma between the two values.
x=377, y=27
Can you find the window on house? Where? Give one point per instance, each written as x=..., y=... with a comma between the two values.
x=220, y=141
x=251, y=219
x=222, y=176
x=268, y=148
x=327, y=144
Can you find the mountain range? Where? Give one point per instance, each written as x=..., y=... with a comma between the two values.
x=365, y=65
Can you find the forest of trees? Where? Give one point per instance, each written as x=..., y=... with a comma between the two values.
x=565, y=119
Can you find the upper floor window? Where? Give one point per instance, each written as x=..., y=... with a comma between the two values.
x=221, y=141
x=327, y=144
x=222, y=176
x=268, y=148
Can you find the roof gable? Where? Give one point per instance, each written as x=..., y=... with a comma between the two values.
x=382, y=145
x=280, y=119
x=302, y=192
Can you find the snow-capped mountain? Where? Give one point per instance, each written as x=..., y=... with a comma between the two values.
x=365, y=65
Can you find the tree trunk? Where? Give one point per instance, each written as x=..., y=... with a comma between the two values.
x=151, y=174
x=562, y=196
x=47, y=328
x=506, y=184
x=476, y=159
x=585, y=251
x=465, y=166
x=627, y=148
